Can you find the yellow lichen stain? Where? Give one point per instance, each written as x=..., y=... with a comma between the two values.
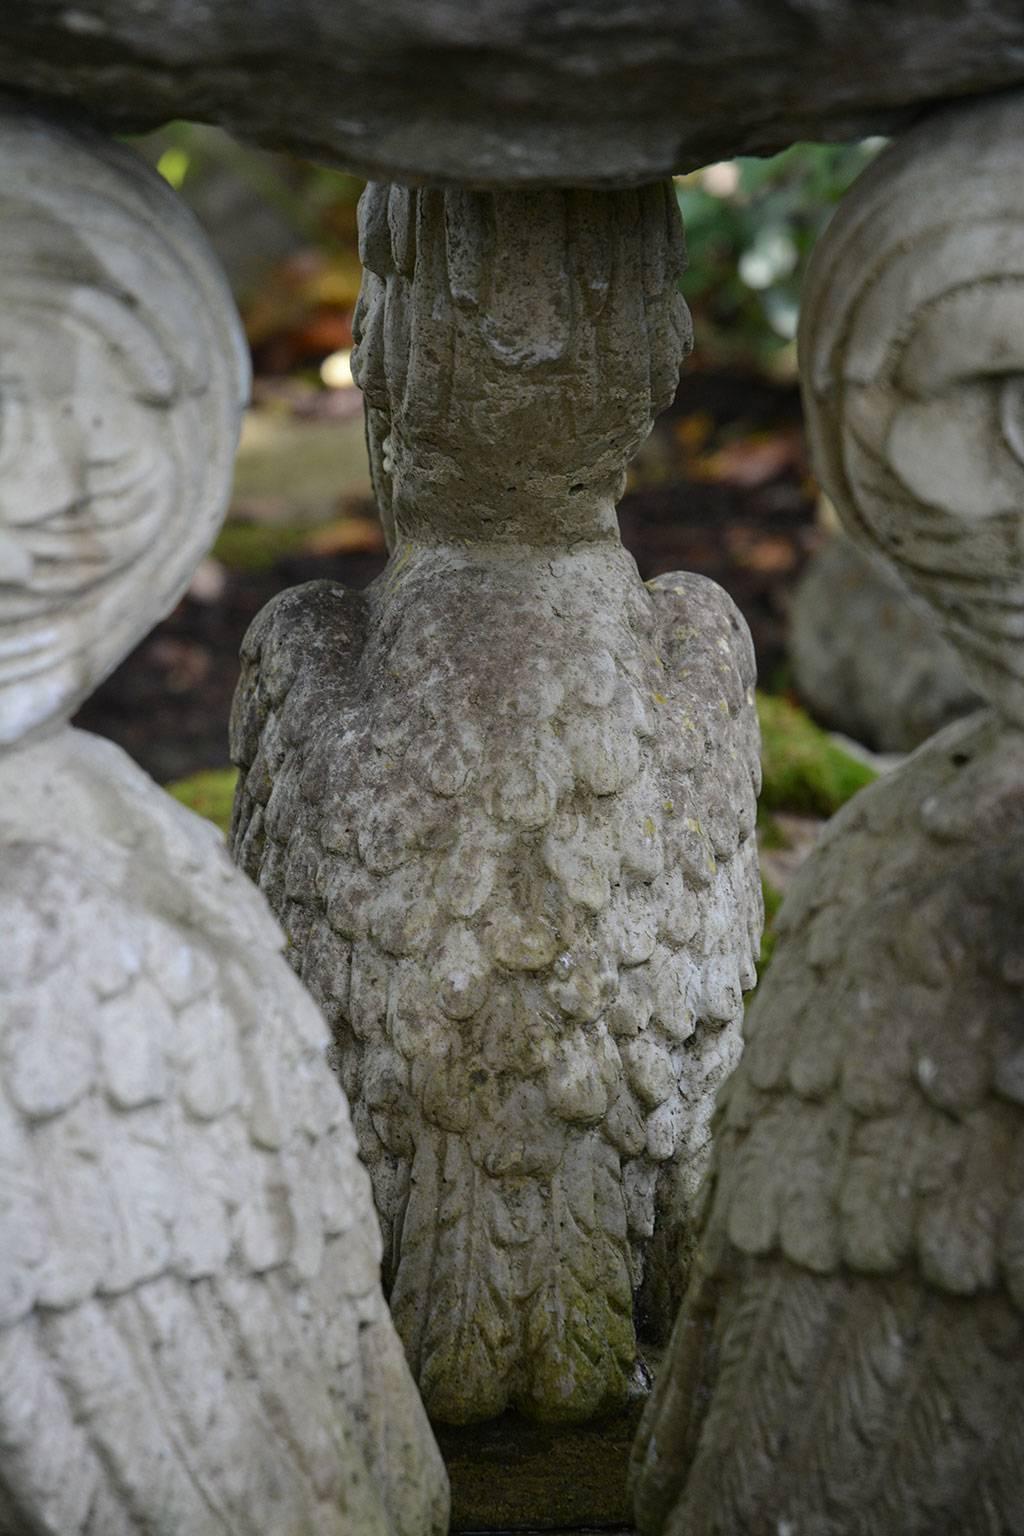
x=396, y=565
x=659, y=698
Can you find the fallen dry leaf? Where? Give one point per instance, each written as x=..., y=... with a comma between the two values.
x=756, y=551
x=347, y=536
x=692, y=432
x=751, y=461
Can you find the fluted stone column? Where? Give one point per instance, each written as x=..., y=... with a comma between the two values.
x=503, y=802
x=850, y=1354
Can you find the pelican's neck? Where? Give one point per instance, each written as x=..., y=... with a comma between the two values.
x=536, y=516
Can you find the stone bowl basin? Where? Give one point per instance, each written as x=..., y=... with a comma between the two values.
x=514, y=92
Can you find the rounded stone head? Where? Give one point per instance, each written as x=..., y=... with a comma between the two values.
x=912, y=362
x=513, y=349
x=123, y=374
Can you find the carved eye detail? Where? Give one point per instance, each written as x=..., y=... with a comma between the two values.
x=124, y=372
x=912, y=364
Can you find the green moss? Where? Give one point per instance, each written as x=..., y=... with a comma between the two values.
x=770, y=832
x=257, y=546
x=804, y=771
x=304, y=465
x=209, y=794
x=772, y=903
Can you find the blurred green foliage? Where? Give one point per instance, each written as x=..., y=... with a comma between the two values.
x=258, y=546
x=750, y=228
x=772, y=903
x=750, y=223
x=318, y=202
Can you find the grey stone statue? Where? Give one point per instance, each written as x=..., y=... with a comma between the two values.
x=850, y=1355
x=503, y=801
x=193, y=1336
x=867, y=658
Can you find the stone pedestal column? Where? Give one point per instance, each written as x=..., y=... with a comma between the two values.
x=850, y=1354
x=503, y=802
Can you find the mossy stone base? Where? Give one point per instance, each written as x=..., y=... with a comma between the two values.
x=513, y=1475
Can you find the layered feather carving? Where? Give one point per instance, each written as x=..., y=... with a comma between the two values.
x=503, y=804
x=858, y=1284
x=192, y=1330
x=534, y=985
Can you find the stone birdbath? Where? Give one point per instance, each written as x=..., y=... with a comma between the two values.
x=503, y=805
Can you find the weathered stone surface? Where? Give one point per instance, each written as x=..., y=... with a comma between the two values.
x=110, y=364
x=867, y=659
x=912, y=354
x=850, y=1355
x=193, y=1336
x=515, y=92
x=503, y=801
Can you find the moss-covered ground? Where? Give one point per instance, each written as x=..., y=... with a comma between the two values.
x=209, y=794
x=805, y=771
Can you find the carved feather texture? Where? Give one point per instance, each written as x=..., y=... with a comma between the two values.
x=503, y=802
x=860, y=1258
x=192, y=1331
x=504, y=813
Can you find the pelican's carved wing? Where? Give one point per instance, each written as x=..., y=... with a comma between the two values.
x=519, y=876
x=851, y=1351
x=192, y=1333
